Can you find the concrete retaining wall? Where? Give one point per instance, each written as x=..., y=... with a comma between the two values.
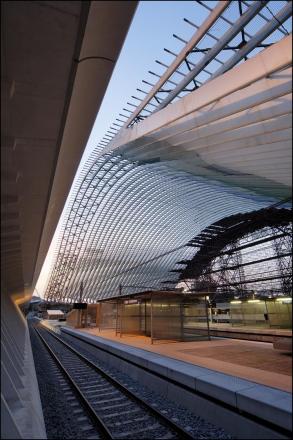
x=21, y=409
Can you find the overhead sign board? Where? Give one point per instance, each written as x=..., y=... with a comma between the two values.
x=80, y=306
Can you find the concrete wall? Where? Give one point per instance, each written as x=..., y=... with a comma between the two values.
x=21, y=410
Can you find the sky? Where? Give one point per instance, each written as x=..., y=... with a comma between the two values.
x=151, y=30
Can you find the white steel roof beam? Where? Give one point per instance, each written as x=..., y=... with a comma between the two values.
x=263, y=65
x=285, y=33
x=261, y=35
x=213, y=52
x=259, y=95
x=207, y=24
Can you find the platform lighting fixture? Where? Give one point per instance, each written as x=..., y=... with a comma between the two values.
x=131, y=301
x=285, y=300
x=253, y=300
x=235, y=302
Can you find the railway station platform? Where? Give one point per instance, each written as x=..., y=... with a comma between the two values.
x=240, y=385
x=248, y=357
x=250, y=360
x=249, y=332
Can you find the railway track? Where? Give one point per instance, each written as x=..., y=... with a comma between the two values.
x=106, y=408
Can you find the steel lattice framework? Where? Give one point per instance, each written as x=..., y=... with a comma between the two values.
x=140, y=198
x=242, y=253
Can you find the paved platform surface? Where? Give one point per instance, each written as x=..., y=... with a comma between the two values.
x=255, y=361
x=245, y=405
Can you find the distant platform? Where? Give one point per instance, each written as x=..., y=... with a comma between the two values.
x=249, y=332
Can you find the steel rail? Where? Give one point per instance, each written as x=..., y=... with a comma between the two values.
x=98, y=422
x=210, y=398
x=117, y=384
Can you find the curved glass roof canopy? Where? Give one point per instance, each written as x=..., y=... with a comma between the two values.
x=220, y=150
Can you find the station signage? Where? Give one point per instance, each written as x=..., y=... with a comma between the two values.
x=80, y=306
x=131, y=301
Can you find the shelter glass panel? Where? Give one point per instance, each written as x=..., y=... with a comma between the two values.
x=179, y=319
x=107, y=315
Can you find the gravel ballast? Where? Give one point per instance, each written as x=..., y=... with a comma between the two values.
x=59, y=416
x=197, y=426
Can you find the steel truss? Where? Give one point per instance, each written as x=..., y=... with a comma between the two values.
x=129, y=218
x=244, y=253
x=217, y=45
x=128, y=224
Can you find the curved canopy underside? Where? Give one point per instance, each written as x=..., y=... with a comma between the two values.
x=223, y=149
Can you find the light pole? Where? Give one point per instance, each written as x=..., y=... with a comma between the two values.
x=80, y=300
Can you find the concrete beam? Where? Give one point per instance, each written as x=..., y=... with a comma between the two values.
x=105, y=31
